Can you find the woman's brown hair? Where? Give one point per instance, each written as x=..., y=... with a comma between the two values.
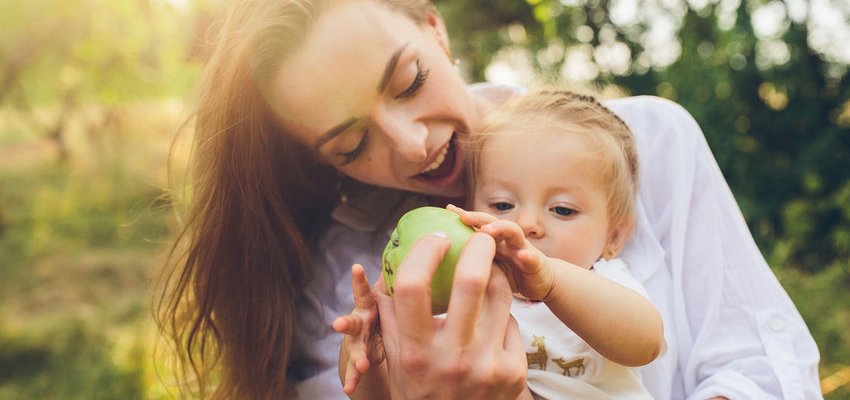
x=228, y=294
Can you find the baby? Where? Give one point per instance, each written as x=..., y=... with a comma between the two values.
x=555, y=180
x=554, y=183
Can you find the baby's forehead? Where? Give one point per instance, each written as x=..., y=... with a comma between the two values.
x=510, y=154
x=540, y=138
x=557, y=154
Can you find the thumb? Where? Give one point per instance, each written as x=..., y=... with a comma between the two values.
x=387, y=315
x=509, y=273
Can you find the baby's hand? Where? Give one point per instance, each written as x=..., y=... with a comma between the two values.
x=362, y=342
x=528, y=270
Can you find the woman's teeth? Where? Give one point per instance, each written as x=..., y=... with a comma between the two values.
x=438, y=161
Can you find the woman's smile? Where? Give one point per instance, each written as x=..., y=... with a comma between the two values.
x=444, y=170
x=441, y=156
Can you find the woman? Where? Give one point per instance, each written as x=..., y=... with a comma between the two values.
x=300, y=99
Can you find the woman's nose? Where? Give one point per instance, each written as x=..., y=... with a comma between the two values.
x=406, y=136
x=529, y=222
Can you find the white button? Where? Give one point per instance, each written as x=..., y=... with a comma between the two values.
x=777, y=324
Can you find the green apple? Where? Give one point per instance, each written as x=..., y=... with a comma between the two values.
x=415, y=224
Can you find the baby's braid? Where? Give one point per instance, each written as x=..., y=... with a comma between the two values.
x=564, y=102
x=573, y=96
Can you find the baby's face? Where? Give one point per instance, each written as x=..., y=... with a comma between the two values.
x=551, y=189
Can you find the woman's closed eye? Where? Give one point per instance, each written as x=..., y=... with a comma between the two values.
x=562, y=211
x=352, y=155
x=417, y=83
x=418, y=80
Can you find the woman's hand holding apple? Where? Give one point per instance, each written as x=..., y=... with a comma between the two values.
x=475, y=352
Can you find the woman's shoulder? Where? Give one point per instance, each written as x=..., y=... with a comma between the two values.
x=656, y=120
x=644, y=101
x=495, y=93
x=650, y=109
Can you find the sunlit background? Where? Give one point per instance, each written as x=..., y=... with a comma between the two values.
x=93, y=91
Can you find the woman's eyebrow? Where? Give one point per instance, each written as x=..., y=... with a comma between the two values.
x=388, y=70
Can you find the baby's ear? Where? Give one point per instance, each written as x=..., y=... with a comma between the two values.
x=618, y=235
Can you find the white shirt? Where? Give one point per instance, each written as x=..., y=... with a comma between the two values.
x=561, y=365
x=730, y=327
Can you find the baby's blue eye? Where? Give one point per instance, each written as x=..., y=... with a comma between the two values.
x=563, y=211
x=502, y=206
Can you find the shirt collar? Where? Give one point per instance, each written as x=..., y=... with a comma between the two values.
x=376, y=209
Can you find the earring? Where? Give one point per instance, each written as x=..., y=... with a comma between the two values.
x=455, y=61
x=343, y=198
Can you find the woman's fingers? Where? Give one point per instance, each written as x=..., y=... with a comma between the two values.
x=497, y=303
x=514, y=354
x=471, y=278
x=364, y=303
x=358, y=363
x=513, y=340
x=352, y=378
x=389, y=322
x=358, y=357
x=421, y=349
x=510, y=275
x=363, y=298
x=347, y=325
x=412, y=288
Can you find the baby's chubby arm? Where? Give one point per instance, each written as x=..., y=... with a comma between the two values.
x=362, y=371
x=615, y=320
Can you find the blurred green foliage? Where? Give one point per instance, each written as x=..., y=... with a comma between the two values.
x=82, y=51
x=78, y=249
x=92, y=90
x=90, y=95
x=69, y=362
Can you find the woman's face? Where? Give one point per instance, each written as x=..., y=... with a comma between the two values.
x=375, y=95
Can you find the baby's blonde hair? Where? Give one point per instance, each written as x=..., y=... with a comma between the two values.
x=560, y=112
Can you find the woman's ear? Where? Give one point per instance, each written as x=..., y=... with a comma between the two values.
x=618, y=235
x=435, y=22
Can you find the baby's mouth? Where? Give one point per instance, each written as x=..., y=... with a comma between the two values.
x=443, y=165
